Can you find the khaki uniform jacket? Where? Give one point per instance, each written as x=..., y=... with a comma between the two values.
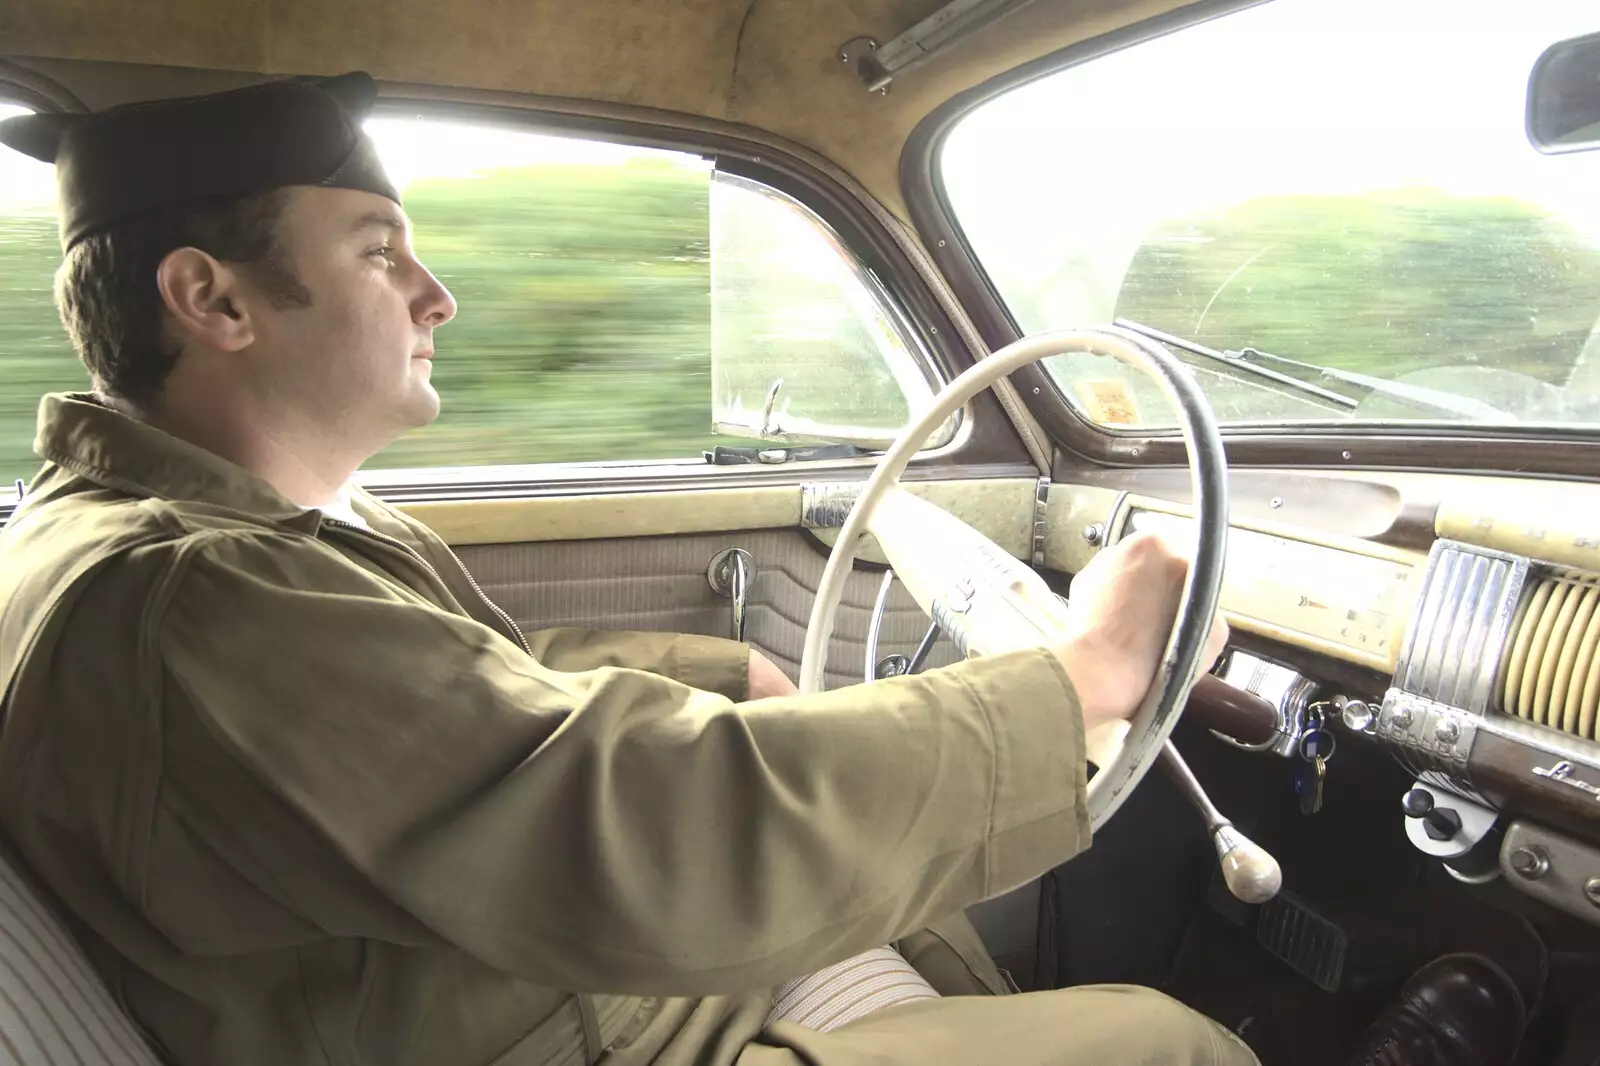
x=310, y=798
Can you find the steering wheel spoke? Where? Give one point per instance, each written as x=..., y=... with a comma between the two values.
x=985, y=601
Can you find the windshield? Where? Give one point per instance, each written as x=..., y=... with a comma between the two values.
x=1338, y=192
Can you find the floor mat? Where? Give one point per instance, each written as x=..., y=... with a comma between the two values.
x=1289, y=1015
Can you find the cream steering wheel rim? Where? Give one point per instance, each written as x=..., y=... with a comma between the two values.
x=1180, y=662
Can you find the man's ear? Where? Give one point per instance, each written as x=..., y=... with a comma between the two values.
x=206, y=299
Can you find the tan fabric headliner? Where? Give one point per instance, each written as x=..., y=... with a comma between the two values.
x=771, y=64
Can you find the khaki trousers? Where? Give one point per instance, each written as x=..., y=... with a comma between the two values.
x=1096, y=1025
x=978, y=1024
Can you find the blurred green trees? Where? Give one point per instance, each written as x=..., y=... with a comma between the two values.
x=585, y=293
x=35, y=356
x=584, y=331
x=1381, y=284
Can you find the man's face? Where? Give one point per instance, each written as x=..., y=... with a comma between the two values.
x=357, y=361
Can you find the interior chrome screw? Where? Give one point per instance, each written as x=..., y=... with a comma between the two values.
x=1531, y=862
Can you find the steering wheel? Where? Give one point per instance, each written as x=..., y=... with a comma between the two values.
x=989, y=602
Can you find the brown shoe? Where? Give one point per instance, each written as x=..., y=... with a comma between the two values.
x=1459, y=1010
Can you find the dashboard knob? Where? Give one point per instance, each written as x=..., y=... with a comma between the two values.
x=1531, y=862
x=1440, y=823
x=1356, y=715
x=1417, y=803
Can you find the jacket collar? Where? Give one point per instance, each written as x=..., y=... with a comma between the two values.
x=85, y=437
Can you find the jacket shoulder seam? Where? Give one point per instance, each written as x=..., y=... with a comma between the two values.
x=153, y=692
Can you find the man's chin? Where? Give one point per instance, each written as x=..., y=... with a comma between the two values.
x=424, y=405
x=418, y=408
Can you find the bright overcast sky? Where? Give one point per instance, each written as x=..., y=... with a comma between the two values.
x=411, y=149
x=1291, y=97
x=25, y=184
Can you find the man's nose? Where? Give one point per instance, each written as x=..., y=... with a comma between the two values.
x=433, y=306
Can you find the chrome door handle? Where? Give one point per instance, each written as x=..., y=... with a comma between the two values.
x=729, y=576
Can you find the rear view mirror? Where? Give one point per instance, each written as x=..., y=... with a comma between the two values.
x=1564, y=97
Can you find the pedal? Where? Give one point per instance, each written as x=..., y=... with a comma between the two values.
x=1308, y=943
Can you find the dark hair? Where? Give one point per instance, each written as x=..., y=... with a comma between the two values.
x=106, y=286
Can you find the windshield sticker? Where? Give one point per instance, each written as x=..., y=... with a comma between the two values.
x=1108, y=401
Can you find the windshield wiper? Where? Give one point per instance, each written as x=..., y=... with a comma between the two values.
x=1443, y=402
x=1446, y=402
x=1239, y=360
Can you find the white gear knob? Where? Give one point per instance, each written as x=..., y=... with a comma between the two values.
x=1251, y=873
x=1248, y=869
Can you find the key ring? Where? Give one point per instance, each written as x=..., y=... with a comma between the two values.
x=1314, y=738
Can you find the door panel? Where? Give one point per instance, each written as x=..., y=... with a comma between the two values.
x=557, y=561
x=660, y=583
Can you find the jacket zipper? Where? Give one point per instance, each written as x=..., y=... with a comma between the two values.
x=386, y=539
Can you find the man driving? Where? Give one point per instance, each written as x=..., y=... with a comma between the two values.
x=309, y=797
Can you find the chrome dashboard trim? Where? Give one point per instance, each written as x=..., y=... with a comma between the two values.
x=1566, y=873
x=1431, y=735
x=1452, y=651
x=1041, y=521
x=826, y=504
x=1561, y=772
x=1286, y=689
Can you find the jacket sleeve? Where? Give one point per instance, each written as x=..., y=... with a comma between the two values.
x=611, y=830
x=709, y=663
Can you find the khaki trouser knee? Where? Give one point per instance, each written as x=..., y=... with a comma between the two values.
x=1097, y=1025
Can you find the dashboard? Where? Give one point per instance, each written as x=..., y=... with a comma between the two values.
x=1348, y=603
x=1479, y=635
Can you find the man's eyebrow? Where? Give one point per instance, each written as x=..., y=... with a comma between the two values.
x=379, y=220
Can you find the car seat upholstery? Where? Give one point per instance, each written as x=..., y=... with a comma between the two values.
x=54, y=1009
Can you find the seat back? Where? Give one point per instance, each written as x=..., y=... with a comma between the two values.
x=54, y=1009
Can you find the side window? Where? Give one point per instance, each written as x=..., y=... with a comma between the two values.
x=805, y=345
x=583, y=277
x=616, y=304
x=622, y=303
x=35, y=355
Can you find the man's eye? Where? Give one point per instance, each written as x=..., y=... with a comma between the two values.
x=385, y=252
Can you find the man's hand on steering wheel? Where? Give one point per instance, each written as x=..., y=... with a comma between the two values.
x=1121, y=611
